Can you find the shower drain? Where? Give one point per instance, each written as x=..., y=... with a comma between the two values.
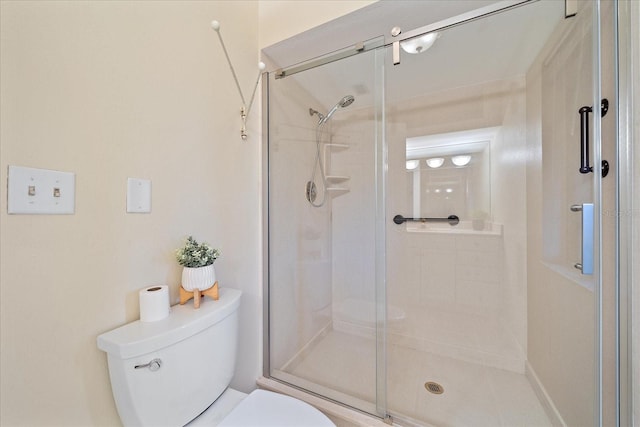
x=434, y=388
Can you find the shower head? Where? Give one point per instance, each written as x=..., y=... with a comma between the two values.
x=344, y=102
x=318, y=113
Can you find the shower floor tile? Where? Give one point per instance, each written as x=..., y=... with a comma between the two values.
x=342, y=362
x=474, y=394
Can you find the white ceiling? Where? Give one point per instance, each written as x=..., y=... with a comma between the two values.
x=493, y=48
x=367, y=23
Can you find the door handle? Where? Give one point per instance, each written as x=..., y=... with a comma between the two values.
x=586, y=265
x=584, y=137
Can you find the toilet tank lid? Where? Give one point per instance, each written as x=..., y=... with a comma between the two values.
x=138, y=338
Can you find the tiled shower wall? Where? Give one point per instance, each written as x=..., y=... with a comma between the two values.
x=474, y=280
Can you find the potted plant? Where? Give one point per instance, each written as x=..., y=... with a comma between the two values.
x=197, y=261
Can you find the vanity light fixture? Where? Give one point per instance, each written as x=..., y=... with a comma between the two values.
x=412, y=164
x=435, y=162
x=461, y=160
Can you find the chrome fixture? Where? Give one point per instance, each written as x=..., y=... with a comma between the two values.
x=153, y=365
x=344, y=102
x=419, y=44
x=311, y=191
x=244, y=110
x=586, y=264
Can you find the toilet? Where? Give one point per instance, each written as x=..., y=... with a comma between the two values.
x=176, y=371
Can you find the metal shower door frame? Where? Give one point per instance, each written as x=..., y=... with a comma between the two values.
x=390, y=41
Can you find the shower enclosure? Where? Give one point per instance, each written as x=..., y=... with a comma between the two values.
x=433, y=237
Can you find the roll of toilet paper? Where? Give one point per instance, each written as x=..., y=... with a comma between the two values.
x=154, y=303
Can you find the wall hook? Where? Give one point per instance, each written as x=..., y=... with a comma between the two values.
x=244, y=110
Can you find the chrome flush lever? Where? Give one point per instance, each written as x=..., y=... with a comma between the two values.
x=153, y=366
x=586, y=266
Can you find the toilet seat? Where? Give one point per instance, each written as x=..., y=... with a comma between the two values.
x=265, y=408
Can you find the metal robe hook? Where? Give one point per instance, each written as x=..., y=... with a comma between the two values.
x=244, y=111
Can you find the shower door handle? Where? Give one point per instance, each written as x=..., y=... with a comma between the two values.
x=586, y=265
x=584, y=138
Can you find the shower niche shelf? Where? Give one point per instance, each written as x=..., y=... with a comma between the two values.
x=336, y=146
x=336, y=191
x=336, y=179
x=335, y=182
x=491, y=229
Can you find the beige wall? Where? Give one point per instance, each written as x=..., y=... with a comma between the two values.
x=110, y=90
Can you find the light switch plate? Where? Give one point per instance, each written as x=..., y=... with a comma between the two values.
x=40, y=191
x=138, y=195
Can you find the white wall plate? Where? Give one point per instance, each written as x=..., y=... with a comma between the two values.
x=40, y=191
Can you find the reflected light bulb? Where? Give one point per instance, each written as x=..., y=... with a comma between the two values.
x=461, y=160
x=435, y=162
x=412, y=164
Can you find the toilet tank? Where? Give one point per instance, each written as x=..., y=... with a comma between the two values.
x=165, y=373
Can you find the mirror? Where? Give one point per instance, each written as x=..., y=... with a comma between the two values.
x=452, y=175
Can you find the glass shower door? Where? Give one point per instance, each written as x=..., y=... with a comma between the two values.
x=493, y=306
x=429, y=222
x=325, y=237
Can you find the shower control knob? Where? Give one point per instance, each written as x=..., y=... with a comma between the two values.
x=153, y=366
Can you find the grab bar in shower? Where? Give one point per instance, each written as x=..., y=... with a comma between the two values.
x=584, y=138
x=451, y=219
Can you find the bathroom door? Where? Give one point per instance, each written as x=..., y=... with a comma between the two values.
x=495, y=224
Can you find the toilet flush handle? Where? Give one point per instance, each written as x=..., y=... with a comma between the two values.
x=153, y=366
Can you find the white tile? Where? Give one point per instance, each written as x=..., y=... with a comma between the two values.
x=478, y=272
x=465, y=401
x=478, y=257
x=437, y=280
x=518, y=402
x=479, y=243
x=480, y=294
x=475, y=395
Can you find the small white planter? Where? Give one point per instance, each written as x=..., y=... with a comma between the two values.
x=199, y=278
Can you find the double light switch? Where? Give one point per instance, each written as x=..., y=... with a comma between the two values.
x=40, y=191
